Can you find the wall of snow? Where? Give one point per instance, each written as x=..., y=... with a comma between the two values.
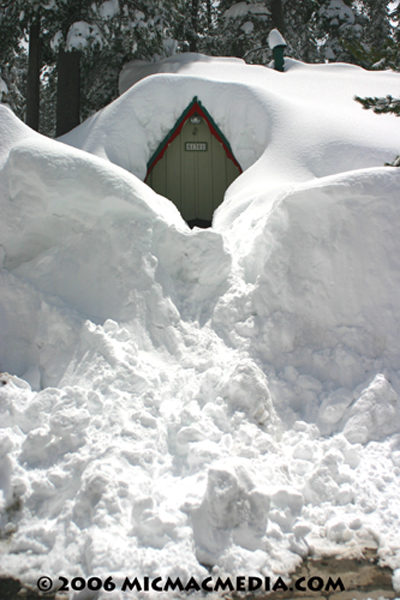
x=93, y=238
x=322, y=272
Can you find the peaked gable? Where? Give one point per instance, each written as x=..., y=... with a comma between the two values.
x=194, y=107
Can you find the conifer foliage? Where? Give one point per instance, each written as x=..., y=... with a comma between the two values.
x=381, y=50
x=62, y=59
x=381, y=105
x=73, y=51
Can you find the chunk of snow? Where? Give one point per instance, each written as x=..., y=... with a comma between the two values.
x=275, y=38
x=247, y=27
x=80, y=34
x=243, y=8
x=375, y=415
x=109, y=9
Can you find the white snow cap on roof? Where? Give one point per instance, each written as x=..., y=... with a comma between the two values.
x=182, y=64
x=275, y=39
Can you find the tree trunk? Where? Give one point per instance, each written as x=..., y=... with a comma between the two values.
x=209, y=14
x=33, y=83
x=68, y=91
x=195, y=25
x=277, y=15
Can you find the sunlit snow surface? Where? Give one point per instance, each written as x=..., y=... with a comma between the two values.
x=225, y=397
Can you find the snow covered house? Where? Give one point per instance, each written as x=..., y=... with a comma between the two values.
x=182, y=398
x=193, y=165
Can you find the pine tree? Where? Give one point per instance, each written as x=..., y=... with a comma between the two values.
x=34, y=67
x=389, y=56
x=14, y=73
x=130, y=33
x=301, y=19
x=70, y=25
x=243, y=29
x=378, y=28
x=380, y=50
x=382, y=106
x=192, y=23
x=91, y=42
x=377, y=47
x=26, y=16
x=339, y=24
x=76, y=50
x=15, y=21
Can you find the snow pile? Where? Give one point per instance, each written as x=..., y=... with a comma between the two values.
x=184, y=400
x=322, y=279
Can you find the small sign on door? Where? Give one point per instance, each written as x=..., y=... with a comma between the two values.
x=196, y=146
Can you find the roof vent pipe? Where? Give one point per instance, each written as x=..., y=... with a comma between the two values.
x=277, y=43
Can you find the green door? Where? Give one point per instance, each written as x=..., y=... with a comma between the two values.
x=194, y=172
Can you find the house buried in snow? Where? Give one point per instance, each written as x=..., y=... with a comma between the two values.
x=193, y=165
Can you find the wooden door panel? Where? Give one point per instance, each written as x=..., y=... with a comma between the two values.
x=194, y=172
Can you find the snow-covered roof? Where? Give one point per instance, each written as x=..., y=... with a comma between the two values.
x=181, y=64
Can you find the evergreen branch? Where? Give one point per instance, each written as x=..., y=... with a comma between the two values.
x=255, y=50
x=380, y=105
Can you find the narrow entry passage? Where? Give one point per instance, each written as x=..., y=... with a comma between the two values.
x=193, y=166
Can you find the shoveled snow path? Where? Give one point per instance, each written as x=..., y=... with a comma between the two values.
x=224, y=398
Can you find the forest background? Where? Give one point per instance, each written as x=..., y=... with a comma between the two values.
x=60, y=59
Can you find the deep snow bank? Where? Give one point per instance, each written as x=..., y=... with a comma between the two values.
x=225, y=397
x=88, y=235
x=322, y=274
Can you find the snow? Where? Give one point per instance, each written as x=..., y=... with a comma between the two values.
x=136, y=70
x=337, y=11
x=247, y=27
x=109, y=9
x=3, y=89
x=174, y=399
x=243, y=8
x=275, y=38
x=80, y=33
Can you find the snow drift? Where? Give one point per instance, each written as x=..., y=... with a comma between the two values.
x=228, y=399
